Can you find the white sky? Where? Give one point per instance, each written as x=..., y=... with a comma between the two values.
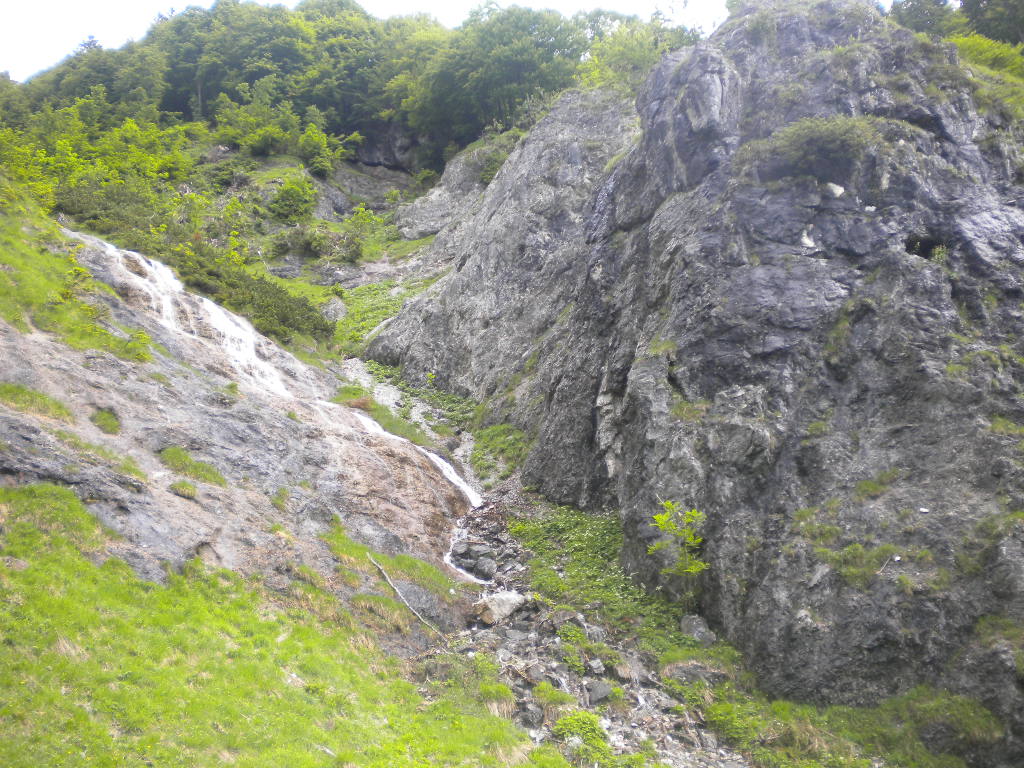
x=36, y=34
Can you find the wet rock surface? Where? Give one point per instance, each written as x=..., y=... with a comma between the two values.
x=821, y=352
x=294, y=464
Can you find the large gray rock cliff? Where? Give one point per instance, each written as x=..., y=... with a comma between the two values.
x=795, y=304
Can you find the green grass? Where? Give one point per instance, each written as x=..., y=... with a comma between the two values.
x=101, y=668
x=403, y=249
x=30, y=401
x=585, y=547
x=370, y=305
x=280, y=499
x=355, y=557
x=178, y=459
x=42, y=285
x=183, y=488
x=357, y=396
x=999, y=72
x=459, y=411
x=126, y=465
x=498, y=451
x=106, y=420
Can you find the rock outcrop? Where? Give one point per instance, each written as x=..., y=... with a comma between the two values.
x=293, y=463
x=793, y=302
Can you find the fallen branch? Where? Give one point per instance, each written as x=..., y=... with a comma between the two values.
x=406, y=602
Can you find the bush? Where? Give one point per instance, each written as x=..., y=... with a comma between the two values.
x=294, y=200
x=826, y=148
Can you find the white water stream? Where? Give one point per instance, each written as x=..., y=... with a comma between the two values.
x=239, y=341
x=170, y=303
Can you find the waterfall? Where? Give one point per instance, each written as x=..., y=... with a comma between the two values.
x=170, y=302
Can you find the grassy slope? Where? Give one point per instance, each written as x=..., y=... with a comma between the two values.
x=100, y=668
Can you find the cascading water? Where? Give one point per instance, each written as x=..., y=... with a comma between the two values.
x=181, y=312
x=169, y=302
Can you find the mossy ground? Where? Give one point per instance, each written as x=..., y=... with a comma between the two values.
x=100, y=668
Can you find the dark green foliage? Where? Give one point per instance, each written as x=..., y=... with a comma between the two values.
x=998, y=19
x=293, y=201
x=827, y=148
x=934, y=17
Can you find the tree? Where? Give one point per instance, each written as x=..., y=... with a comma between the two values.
x=933, y=17
x=999, y=19
x=684, y=537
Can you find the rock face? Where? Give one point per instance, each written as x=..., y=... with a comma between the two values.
x=293, y=462
x=794, y=304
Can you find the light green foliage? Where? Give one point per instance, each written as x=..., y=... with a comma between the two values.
x=202, y=671
x=355, y=557
x=622, y=57
x=1003, y=426
x=369, y=306
x=183, y=488
x=998, y=70
x=29, y=401
x=494, y=147
x=591, y=742
x=856, y=564
x=365, y=235
x=876, y=486
x=178, y=459
x=460, y=411
x=293, y=201
x=576, y=562
x=782, y=734
x=106, y=420
x=126, y=465
x=688, y=410
x=995, y=629
x=999, y=19
x=280, y=498
x=684, y=540
x=550, y=697
x=806, y=524
x=498, y=451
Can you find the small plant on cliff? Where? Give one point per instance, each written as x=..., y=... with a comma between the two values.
x=682, y=528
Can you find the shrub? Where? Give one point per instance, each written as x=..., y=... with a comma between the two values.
x=682, y=529
x=826, y=148
x=294, y=200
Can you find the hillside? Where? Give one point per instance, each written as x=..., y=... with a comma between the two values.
x=549, y=391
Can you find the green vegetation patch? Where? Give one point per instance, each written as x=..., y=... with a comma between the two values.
x=356, y=396
x=106, y=420
x=782, y=734
x=825, y=148
x=126, y=465
x=369, y=306
x=183, y=488
x=585, y=548
x=101, y=668
x=42, y=285
x=356, y=557
x=29, y=401
x=498, y=451
x=999, y=72
x=178, y=459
